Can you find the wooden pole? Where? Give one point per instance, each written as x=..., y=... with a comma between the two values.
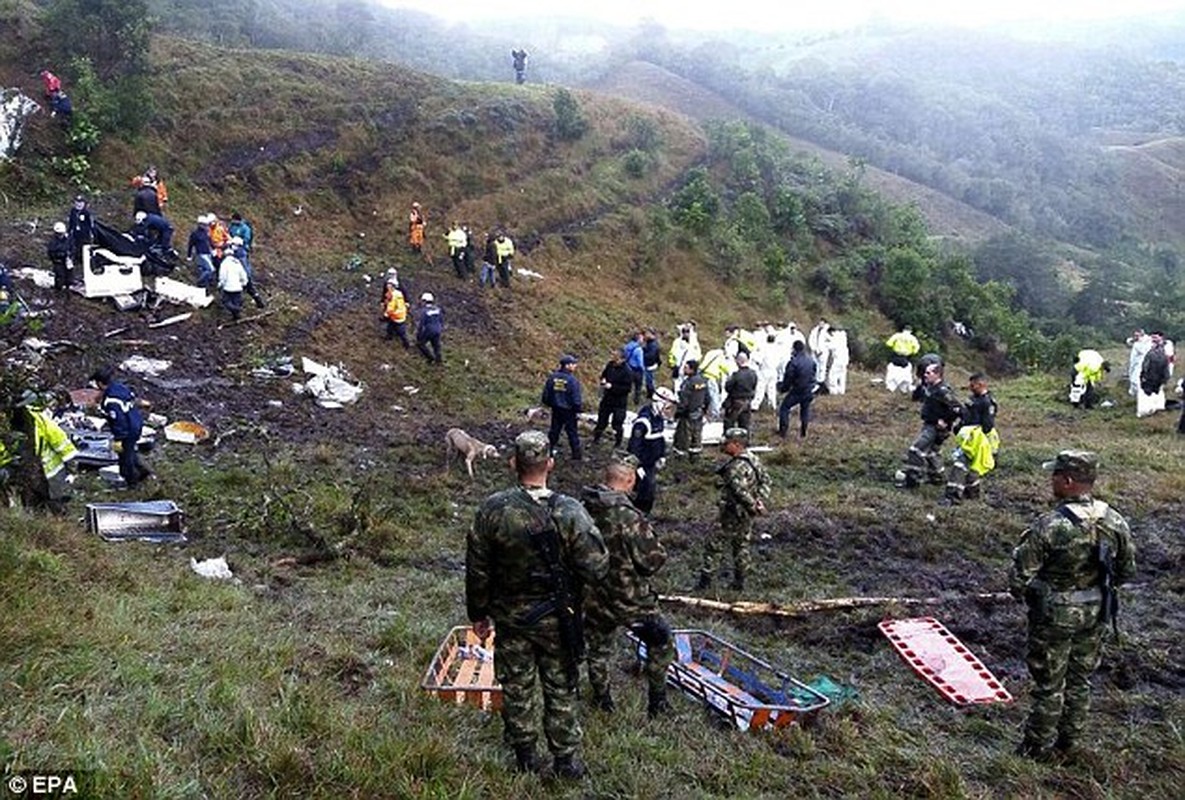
x=800, y=608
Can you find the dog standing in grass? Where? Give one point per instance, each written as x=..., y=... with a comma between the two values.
x=457, y=441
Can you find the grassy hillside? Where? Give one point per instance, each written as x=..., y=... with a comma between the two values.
x=346, y=534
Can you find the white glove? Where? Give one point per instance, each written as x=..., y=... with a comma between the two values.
x=662, y=462
x=641, y=473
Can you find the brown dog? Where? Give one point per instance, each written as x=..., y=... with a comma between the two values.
x=457, y=441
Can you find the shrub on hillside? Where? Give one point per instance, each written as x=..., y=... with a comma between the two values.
x=570, y=123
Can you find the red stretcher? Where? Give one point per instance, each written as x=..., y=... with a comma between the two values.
x=941, y=659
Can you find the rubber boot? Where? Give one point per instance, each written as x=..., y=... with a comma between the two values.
x=658, y=704
x=569, y=768
x=526, y=759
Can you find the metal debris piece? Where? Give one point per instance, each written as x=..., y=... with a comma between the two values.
x=160, y=521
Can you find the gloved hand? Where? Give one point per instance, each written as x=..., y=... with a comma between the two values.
x=662, y=462
x=641, y=473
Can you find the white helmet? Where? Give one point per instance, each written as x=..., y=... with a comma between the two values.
x=236, y=240
x=428, y=297
x=59, y=227
x=140, y=216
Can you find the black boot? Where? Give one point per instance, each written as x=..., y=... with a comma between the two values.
x=738, y=584
x=569, y=767
x=658, y=704
x=704, y=582
x=604, y=702
x=526, y=759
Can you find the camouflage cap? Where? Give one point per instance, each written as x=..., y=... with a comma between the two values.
x=625, y=459
x=737, y=435
x=1081, y=465
x=531, y=448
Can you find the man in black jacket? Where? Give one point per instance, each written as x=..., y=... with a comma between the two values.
x=798, y=382
x=563, y=394
x=616, y=380
x=941, y=415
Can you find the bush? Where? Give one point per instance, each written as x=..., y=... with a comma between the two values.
x=570, y=123
x=636, y=163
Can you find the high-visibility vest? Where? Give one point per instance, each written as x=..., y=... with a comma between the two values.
x=51, y=444
x=396, y=310
x=504, y=249
x=903, y=344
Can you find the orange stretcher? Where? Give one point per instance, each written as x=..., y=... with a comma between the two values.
x=462, y=671
x=943, y=661
x=751, y=693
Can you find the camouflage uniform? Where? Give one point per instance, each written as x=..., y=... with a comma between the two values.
x=507, y=580
x=743, y=482
x=626, y=596
x=689, y=415
x=1056, y=570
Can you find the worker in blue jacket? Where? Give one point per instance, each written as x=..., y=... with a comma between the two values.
x=125, y=422
x=563, y=395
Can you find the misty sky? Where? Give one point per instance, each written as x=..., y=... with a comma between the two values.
x=766, y=15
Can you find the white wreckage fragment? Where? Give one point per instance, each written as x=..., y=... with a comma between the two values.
x=527, y=273
x=180, y=292
x=215, y=568
x=330, y=386
x=15, y=109
x=142, y=365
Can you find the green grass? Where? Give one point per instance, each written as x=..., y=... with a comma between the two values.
x=303, y=680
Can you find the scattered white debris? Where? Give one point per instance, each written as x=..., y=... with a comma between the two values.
x=15, y=108
x=142, y=365
x=398, y=409
x=331, y=386
x=182, y=293
x=766, y=537
x=173, y=320
x=186, y=432
x=411, y=389
x=1107, y=404
x=930, y=518
x=159, y=420
x=215, y=568
x=276, y=403
x=42, y=278
x=526, y=273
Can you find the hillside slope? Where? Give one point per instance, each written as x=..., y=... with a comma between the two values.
x=1153, y=172
x=651, y=84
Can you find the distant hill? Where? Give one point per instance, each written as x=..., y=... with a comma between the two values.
x=1154, y=173
x=649, y=83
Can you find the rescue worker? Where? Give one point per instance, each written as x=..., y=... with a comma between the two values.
x=520, y=65
x=616, y=379
x=416, y=223
x=816, y=340
x=744, y=488
x=488, y=259
x=145, y=199
x=527, y=545
x=1089, y=369
x=240, y=248
x=154, y=230
x=1154, y=374
x=124, y=420
x=798, y=382
x=395, y=311
x=716, y=366
x=625, y=597
x=739, y=389
x=80, y=229
x=941, y=414
x=649, y=445
x=1065, y=569
x=689, y=413
x=45, y=452
x=219, y=238
x=837, y=368
x=51, y=82
x=685, y=348
x=636, y=361
x=61, y=108
x=767, y=360
x=199, y=248
x=504, y=252
x=1140, y=343
x=651, y=356
x=899, y=373
x=563, y=394
x=457, y=242
x=232, y=281
x=978, y=442
x=57, y=250
x=429, y=328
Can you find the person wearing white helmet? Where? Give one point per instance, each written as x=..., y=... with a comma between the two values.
x=57, y=250
x=429, y=328
x=200, y=251
x=232, y=280
x=649, y=445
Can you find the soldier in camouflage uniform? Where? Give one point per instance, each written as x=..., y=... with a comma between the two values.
x=744, y=488
x=625, y=597
x=510, y=583
x=1065, y=569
